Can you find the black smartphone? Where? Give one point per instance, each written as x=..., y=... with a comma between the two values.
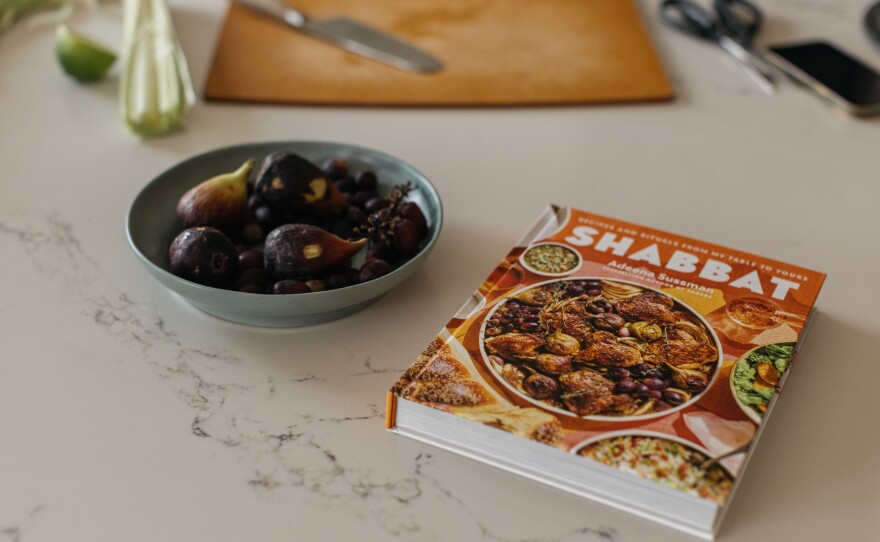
x=832, y=74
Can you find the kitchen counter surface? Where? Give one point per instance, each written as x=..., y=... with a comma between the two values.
x=126, y=414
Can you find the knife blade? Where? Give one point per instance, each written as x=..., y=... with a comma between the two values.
x=351, y=36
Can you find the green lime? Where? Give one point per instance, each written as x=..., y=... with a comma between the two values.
x=81, y=58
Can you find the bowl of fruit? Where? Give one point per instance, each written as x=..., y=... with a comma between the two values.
x=285, y=234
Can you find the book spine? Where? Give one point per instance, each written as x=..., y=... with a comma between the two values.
x=390, y=410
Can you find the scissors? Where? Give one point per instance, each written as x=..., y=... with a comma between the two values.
x=732, y=27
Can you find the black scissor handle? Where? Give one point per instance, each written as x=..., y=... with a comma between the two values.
x=740, y=19
x=688, y=17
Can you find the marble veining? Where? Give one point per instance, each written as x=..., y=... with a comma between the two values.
x=306, y=453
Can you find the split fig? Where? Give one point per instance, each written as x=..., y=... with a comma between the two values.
x=292, y=185
x=301, y=251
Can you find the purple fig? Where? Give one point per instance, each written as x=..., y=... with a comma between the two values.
x=205, y=256
x=300, y=251
x=290, y=184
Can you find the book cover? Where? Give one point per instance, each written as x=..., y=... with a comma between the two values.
x=654, y=356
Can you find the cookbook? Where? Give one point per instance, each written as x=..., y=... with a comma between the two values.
x=621, y=363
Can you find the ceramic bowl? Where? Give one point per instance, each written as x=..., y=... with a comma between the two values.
x=152, y=224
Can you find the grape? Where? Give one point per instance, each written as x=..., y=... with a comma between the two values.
x=654, y=394
x=660, y=405
x=412, y=212
x=289, y=286
x=250, y=259
x=335, y=281
x=250, y=288
x=257, y=277
x=254, y=202
x=626, y=385
x=336, y=168
x=594, y=292
x=252, y=232
x=373, y=268
x=654, y=383
x=642, y=389
x=361, y=198
x=366, y=180
x=346, y=185
x=673, y=397
x=529, y=326
x=619, y=373
x=381, y=251
x=355, y=216
x=406, y=237
x=376, y=203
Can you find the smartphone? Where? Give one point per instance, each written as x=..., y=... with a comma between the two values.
x=831, y=73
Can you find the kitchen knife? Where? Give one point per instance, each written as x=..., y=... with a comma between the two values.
x=351, y=36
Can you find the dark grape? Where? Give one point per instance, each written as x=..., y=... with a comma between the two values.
x=376, y=203
x=406, y=237
x=411, y=211
x=335, y=281
x=355, y=216
x=594, y=292
x=373, y=268
x=642, y=389
x=619, y=373
x=381, y=251
x=626, y=385
x=257, y=277
x=361, y=198
x=529, y=326
x=289, y=286
x=252, y=232
x=346, y=185
x=654, y=394
x=673, y=397
x=654, y=383
x=250, y=288
x=250, y=259
x=366, y=180
x=254, y=202
x=336, y=168
x=266, y=217
x=660, y=405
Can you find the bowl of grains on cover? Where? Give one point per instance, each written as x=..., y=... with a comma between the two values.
x=600, y=349
x=658, y=457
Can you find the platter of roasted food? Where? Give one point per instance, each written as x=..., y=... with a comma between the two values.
x=658, y=457
x=600, y=349
x=286, y=233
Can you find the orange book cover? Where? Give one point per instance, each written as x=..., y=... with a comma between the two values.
x=641, y=350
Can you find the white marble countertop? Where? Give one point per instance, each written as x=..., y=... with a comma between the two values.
x=126, y=414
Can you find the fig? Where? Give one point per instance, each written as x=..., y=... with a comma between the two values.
x=219, y=202
x=205, y=256
x=291, y=185
x=301, y=251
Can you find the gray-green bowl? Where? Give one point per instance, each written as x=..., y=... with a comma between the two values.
x=152, y=225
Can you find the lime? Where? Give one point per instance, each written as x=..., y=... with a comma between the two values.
x=81, y=58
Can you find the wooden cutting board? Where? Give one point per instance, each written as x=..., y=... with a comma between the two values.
x=495, y=52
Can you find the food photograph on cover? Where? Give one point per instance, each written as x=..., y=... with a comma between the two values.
x=652, y=355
